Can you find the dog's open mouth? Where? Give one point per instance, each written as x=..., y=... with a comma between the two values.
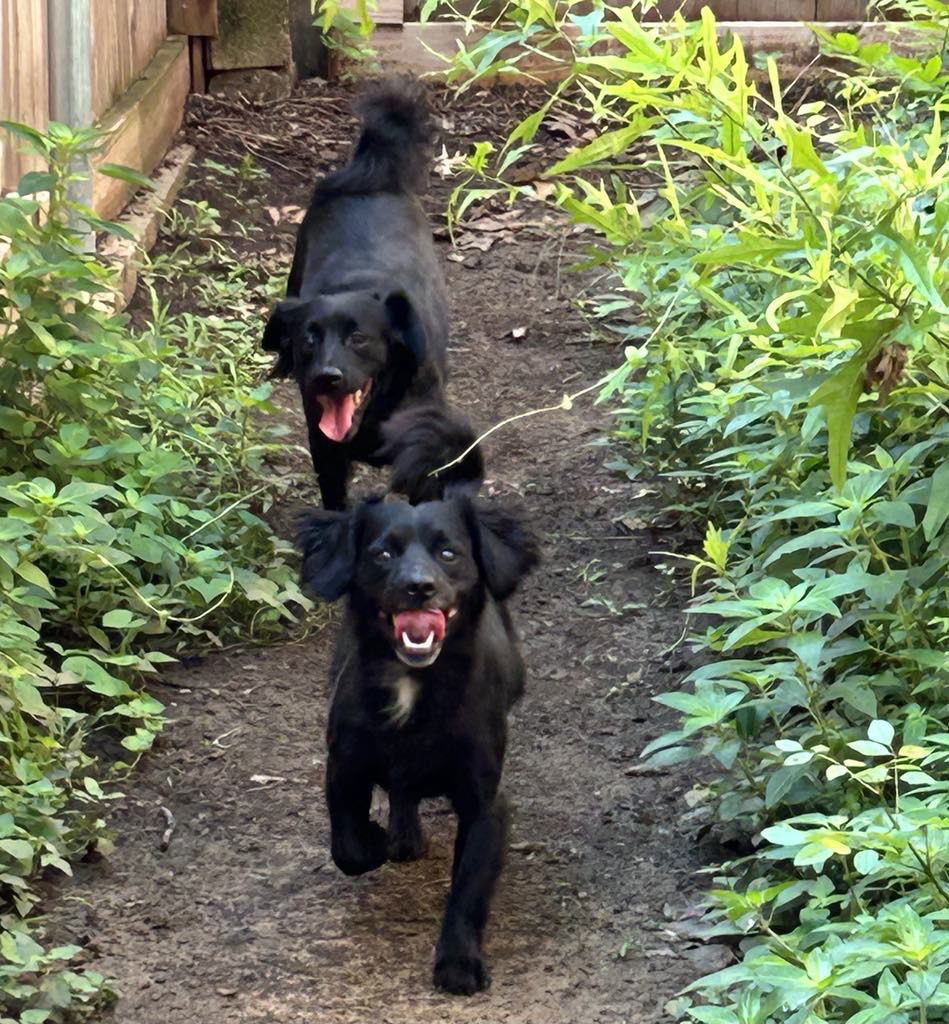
x=342, y=413
x=419, y=635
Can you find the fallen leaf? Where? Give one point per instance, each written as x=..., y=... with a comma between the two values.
x=884, y=371
x=265, y=779
x=544, y=189
x=500, y=222
x=524, y=174
x=483, y=242
x=563, y=125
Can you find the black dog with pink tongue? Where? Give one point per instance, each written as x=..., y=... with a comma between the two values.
x=364, y=327
x=426, y=667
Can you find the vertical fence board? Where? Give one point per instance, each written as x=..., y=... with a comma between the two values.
x=841, y=10
x=776, y=10
x=126, y=35
x=24, y=81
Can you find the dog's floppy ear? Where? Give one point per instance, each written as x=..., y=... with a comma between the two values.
x=505, y=549
x=404, y=324
x=278, y=335
x=329, y=556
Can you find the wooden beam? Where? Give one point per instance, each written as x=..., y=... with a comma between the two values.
x=143, y=123
x=142, y=219
x=193, y=17
x=198, y=59
x=387, y=12
x=415, y=47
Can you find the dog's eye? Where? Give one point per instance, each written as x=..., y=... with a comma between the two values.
x=383, y=555
x=447, y=555
x=358, y=341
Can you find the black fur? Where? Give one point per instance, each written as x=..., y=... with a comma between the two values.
x=390, y=557
x=418, y=441
x=366, y=304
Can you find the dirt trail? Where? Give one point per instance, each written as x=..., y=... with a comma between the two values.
x=244, y=918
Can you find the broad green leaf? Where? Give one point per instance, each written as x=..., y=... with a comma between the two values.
x=118, y=618
x=937, y=509
x=35, y=575
x=838, y=397
x=914, y=261
x=866, y=861
x=881, y=732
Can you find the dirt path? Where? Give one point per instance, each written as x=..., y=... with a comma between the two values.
x=244, y=918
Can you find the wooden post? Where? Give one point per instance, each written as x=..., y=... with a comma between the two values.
x=70, y=79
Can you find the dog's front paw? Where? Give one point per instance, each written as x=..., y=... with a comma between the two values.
x=355, y=855
x=461, y=975
x=407, y=845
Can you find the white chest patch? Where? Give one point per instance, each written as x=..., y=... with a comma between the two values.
x=404, y=695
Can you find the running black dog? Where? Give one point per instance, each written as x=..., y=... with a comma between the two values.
x=364, y=327
x=426, y=667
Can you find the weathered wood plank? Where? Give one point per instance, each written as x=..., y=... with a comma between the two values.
x=24, y=81
x=775, y=10
x=125, y=36
x=199, y=73
x=410, y=48
x=143, y=122
x=388, y=12
x=841, y=10
x=193, y=17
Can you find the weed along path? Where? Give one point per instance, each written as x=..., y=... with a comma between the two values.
x=237, y=914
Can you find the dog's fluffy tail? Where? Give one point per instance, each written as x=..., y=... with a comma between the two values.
x=425, y=438
x=392, y=151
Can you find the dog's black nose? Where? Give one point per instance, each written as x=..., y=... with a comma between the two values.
x=420, y=586
x=329, y=377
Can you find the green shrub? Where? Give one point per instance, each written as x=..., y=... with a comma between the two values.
x=786, y=263
x=132, y=482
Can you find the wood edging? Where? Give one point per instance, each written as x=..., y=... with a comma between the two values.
x=142, y=219
x=143, y=123
x=409, y=47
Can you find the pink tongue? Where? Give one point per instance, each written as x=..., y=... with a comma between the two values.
x=419, y=623
x=337, y=415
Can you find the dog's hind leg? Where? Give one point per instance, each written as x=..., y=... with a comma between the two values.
x=357, y=844
x=479, y=855
x=406, y=841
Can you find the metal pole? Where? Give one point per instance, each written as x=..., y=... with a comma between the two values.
x=70, y=79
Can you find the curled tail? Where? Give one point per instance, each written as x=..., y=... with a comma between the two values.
x=425, y=438
x=392, y=151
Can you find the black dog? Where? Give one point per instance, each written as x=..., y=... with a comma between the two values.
x=364, y=328
x=426, y=666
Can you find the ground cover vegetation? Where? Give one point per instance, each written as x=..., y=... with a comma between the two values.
x=132, y=491
x=775, y=257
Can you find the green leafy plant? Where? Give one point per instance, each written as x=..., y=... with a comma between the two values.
x=345, y=31
x=132, y=488
x=779, y=262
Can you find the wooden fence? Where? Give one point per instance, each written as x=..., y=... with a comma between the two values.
x=129, y=56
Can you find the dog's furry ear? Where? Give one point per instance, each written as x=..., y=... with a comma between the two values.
x=329, y=557
x=278, y=336
x=404, y=324
x=505, y=549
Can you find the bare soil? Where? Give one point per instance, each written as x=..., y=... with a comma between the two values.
x=243, y=918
